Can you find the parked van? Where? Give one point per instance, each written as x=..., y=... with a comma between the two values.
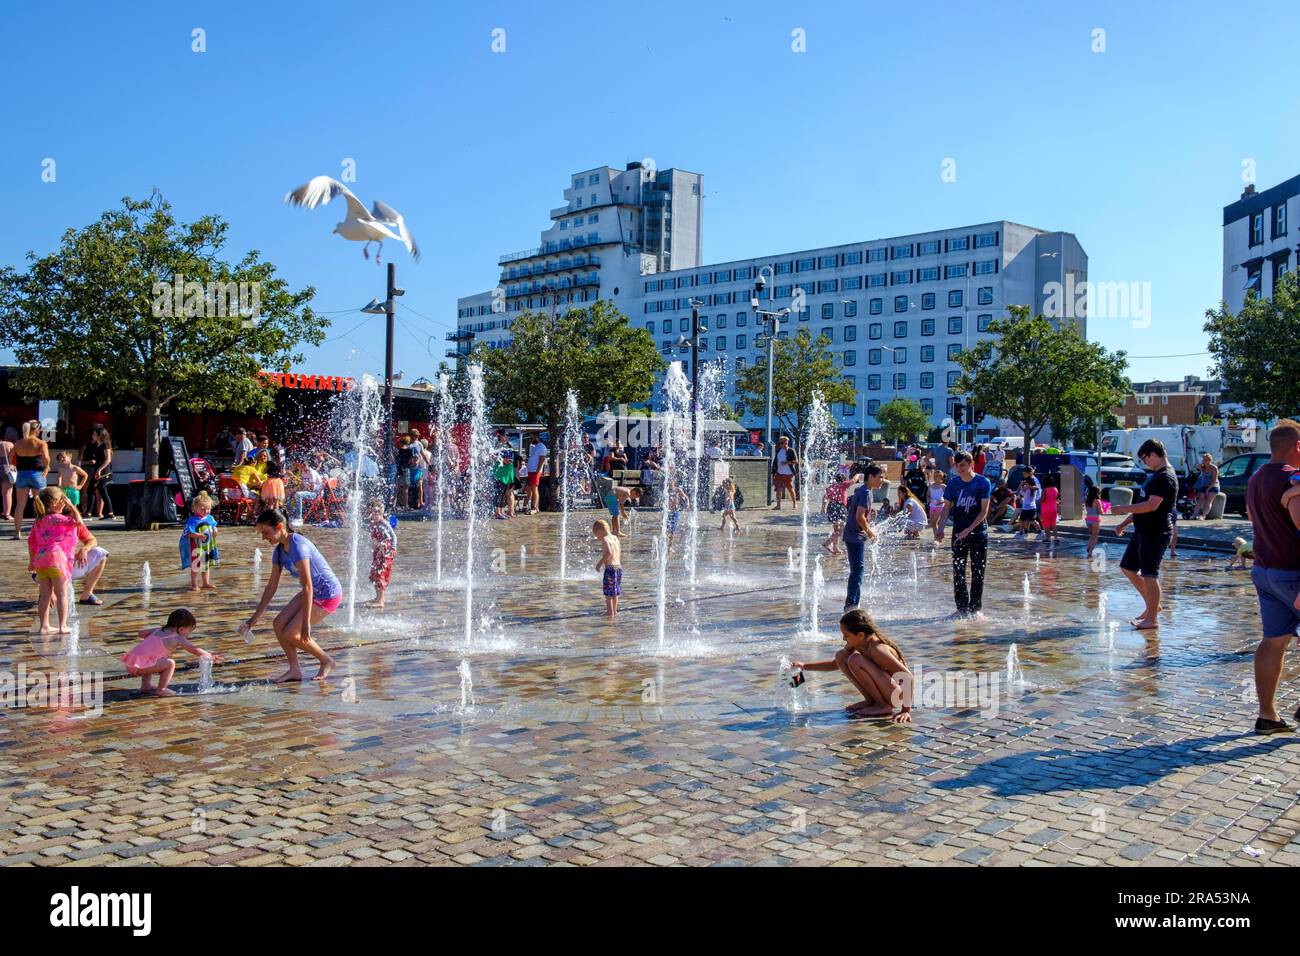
x=1184, y=444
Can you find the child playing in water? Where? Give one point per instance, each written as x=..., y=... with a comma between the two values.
x=835, y=504
x=199, y=542
x=50, y=549
x=71, y=478
x=1051, y=500
x=729, y=504
x=938, y=484
x=913, y=511
x=677, y=500
x=874, y=665
x=1092, y=516
x=383, y=543
x=611, y=560
x=152, y=655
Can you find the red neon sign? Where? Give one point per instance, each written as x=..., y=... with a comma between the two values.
x=319, y=383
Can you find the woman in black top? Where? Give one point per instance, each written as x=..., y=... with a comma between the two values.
x=1150, y=516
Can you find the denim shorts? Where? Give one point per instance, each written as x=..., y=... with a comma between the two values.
x=1277, y=589
x=31, y=479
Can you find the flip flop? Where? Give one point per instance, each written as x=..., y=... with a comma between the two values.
x=92, y=599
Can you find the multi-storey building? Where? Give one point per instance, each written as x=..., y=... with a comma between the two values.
x=1171, y=403
x=1258, y=248
x=897, y=311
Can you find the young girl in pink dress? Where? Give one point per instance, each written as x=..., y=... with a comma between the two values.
x=1051, y=502
x=153, y=654
x=50, y=547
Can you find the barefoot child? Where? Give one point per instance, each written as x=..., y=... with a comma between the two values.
x=835, y=504
x=874, y=665
x=1051, y=500
x=199, y=542
x=383, y=543
x=677, y=500
x=1092, y=516
x=72, y=478
x=50, y=550
x=320, y=594
x=153, y=654
x=938, y=485
x=729, y=504
x=611, y=560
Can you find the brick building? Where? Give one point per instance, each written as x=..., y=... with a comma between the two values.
x=1171, y=403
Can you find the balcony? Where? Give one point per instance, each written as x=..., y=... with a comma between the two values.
x=564, y=245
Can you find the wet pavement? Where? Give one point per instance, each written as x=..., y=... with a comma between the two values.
x=585, y=742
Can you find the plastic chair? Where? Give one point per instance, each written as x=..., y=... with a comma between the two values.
x=233, y=505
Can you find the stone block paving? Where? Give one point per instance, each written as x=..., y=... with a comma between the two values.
x=587, y=743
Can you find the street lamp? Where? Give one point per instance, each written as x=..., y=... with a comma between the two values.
x=693, y=344
x=772, y=320
x=387, y=307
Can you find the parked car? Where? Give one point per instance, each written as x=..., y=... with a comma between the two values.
x=1119, y=470
x=1233, y=475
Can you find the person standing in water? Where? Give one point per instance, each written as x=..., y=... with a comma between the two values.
x=320, y=594
x=967, y=499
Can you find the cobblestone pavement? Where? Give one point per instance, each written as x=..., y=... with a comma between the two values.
x=587, y=743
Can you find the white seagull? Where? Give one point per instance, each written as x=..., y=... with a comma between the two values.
x=360, y=225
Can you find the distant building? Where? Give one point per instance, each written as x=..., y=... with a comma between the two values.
x=1171, y=402
x=1258, y=248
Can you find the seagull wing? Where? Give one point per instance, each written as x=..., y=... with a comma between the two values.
x=323, y=189
x=389, y=216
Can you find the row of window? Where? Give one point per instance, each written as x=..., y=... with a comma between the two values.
x=1277, y=218
x=592, y=180
x=577, y=221
x=902, y=303
x=875, y=280
x=848, y=356
x=875, y=330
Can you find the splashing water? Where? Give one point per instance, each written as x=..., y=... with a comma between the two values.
x=1027, y=588
x=361, y=424
x=1014, y=674
x=914, y=575
x=654, y=547
x=1038, y=562
x=466, y=687
x=477, y=447
x=814, y=603
x=789, y=554
x=442, y=463
x=146, y=577
x=74, y=638
x=1099, y=560
x=1112, y=628
x=523, y=557
x=818, y=448
x=676, y=396
x=257, y=560
x=786, y=697
x=206, y=682
x=1102, y=600
x=567, y=466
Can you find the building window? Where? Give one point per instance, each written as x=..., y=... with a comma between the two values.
x=900, y=303
x=927, y=353
x=900, y=356
x=668, y=326
x=954, y=299
x=1280, y=268
x=1256, y=228
x=873, y=357
x=954, y=350
x=873, y=383
x=927, y=326
x=876, y=306
x=828, y=285
x=927, y=405
x=650, y=327
x=902, y=278
x=952, y=378
x=741, y=273
x=850, y=333
x=826, y=262
x=783, y=292
x=783, y=267
x=873, y=406
x=850, y=357
x=959, y=244
x=720, y=343
x=850, y=308
x=564, y=225
x=900, y=380
x=722, y=298
x=954, y=325
x=927, y=380
x=928, y=274
x=852, y=258
x=852, y=282
x=985, y=239
x=721, y=322
x=741, y=340
x=875, y=330
x=983, y=322
x=955, y=272
x=877, y=280
x=828, y=310
x=929, y=248
x=805, y=265
x=986, y=268
x=984, y=295
x=927, y=300
x=828, y=332
x=900, y=330
x=901, y=252
x=742, y=319
x=1279, y=220
x=876, y=255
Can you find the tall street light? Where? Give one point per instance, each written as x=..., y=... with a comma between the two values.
x=388, y=307
x=772, y=321
x=693, y=345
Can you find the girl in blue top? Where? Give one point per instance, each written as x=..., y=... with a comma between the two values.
x=320, y=594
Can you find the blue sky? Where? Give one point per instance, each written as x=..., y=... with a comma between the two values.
x=1136, y=149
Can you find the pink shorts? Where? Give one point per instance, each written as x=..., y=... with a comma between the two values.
x=329, y=605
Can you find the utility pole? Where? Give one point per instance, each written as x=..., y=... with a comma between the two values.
x=389, y=307
x=772, y=321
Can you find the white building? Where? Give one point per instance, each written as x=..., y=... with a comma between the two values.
x=1257, y=245
x=897, y=310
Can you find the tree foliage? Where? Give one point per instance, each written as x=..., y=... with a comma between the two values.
x=103, y=317
x=1254, y=350
x=802, y=367
x=592, y=350
x=902, y=419
x=1034, y=373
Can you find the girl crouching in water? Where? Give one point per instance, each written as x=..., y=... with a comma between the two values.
x=153, y=654
x=874, y=665
x=320, y=594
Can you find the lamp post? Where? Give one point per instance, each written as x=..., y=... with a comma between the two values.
x=773, y=322
x=387, y=308
x=693, y=344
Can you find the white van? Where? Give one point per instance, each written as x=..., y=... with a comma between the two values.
x=1184, y=444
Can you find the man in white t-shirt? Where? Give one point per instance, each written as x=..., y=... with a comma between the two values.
x=783, y=473
x=536, y=462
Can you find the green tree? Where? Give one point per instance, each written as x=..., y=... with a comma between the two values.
x=1082, y=431
x=141, y=309
x=902, y=420
x=593, y=350
x=1034, y=373
x=1254, y=350
x=801, y=368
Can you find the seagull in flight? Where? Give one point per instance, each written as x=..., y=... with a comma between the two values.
x=378, y=223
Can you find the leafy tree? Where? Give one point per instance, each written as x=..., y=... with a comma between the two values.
x=593, y=350
x=802, y=367
x=1082, y=431
x=1034, y=373
x=902, y=420
x=1255, y=350
x=140, y=308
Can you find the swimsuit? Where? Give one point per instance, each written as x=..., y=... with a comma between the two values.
x=146, y=654
x=612, y=584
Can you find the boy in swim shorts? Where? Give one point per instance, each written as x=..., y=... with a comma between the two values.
x=611, y=555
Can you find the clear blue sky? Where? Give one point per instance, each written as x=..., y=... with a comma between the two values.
x=1136, y=150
